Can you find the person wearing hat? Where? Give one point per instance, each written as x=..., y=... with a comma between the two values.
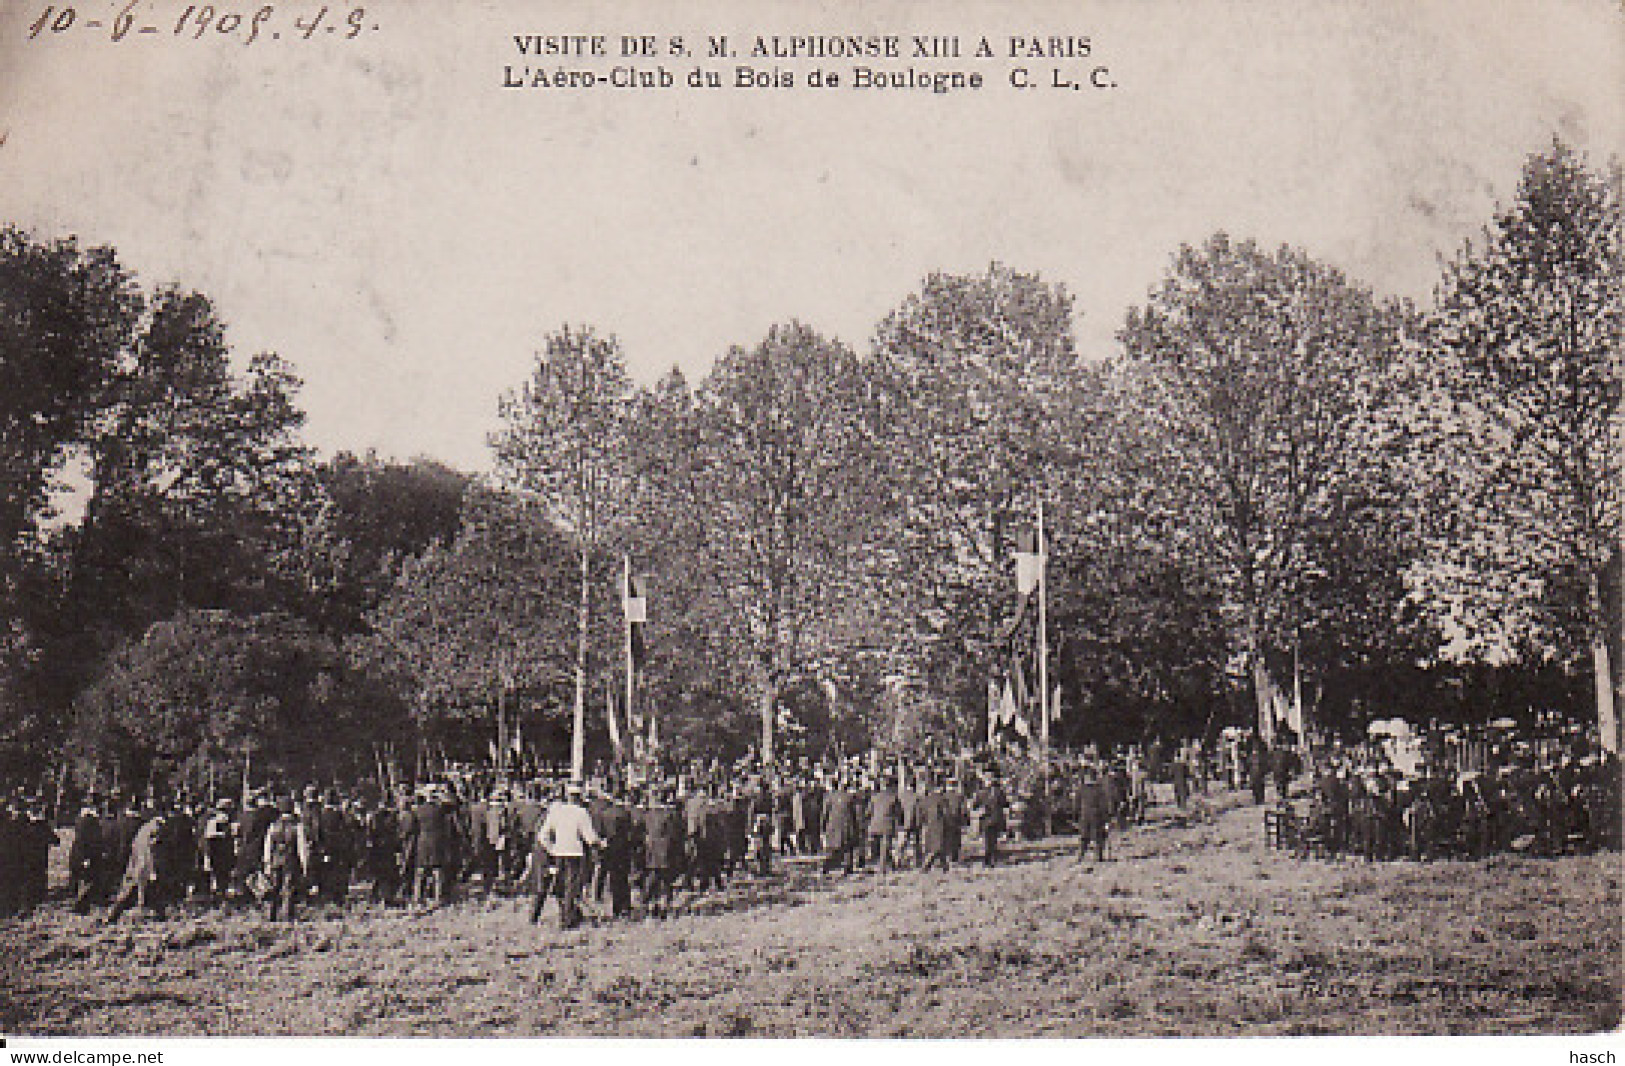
x=218, y=848
x=285, y=860
x=840, y=828
x=885, y=814
x=142, y=873
x=87, y=858
x=807, y=808
x=612, y=820
x=704, y=866
x=567, y=835
x=431, y=847
x=381, y=850
x=663, y=850
x=932, y=813
x=35, y=837
x=956, y=816
x=1094, y=814
x=124, y=829
x=990, y=807
x=256, y=822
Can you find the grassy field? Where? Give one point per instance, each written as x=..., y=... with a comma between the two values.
x=1192, y=928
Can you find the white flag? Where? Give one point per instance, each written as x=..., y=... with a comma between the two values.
x=634, y=600
x=1029, y=563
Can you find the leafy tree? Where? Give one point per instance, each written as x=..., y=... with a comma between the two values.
x=383, y=513
x=473, y=627
x=66, y=316
x=202, y=492
x=686, y=674
x=1138, y=620
x=782, y=496
x=205, y=692
x=1523, y=439
x=1262, y=374
x=565, y=443
x=980, y=391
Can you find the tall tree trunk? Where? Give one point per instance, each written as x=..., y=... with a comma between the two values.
x=578, y=731
x=1265, y=692
x=501, y=766
x=1607, y=712
x=1264, y=684
x=766, y=707
x=1603, y=667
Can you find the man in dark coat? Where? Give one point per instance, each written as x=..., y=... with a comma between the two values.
x=840, y=828
x=1283, y=765
x=256, y=821
x=1179, y=772
x=909, y=793
x=693, y=807
x=1094, y=814
x=125, y=827
x=180, y=859
x=481, y=845
x=382, y=862
x=784, y=818
x=1257, y=768
x=933, y=814
x=808, y=811
x=722, y=832
x=312, y=820
x=955, y=818
x=287, y=855
x=736, y=828
x=525, y=818
x=663, y=848
x=38, y=837
x=87, y=860
x=990, y=806
x=885, y=816
x=612, y=820
x=338, y=849
x=432, y=849
x=217, y=849
x=759, y=805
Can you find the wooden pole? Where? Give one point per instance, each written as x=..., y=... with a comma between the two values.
x=631, y=664
x=1043, y=667
x=578, y=717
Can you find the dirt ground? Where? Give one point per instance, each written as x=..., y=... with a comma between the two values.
x=1191, y=928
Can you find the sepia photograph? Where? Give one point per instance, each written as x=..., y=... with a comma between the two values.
x=908, y=521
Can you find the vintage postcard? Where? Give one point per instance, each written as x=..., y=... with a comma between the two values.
x=810, y=520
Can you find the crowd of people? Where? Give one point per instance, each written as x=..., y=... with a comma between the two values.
x=630, y=841
x=1555, y=800
x=693, y=830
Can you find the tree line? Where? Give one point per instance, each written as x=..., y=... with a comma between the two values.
x=1278, y=483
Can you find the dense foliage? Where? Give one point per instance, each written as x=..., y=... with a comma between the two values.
x=1281, y=491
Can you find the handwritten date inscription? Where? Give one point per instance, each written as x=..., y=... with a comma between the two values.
x=196, y=22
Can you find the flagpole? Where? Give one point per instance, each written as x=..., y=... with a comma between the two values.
x=626, y=615
x=1043, y=639
x=1043, y=670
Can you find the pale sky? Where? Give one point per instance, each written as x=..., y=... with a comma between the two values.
x=387, y=217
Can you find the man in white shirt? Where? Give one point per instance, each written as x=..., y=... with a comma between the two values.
x=566, y=834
